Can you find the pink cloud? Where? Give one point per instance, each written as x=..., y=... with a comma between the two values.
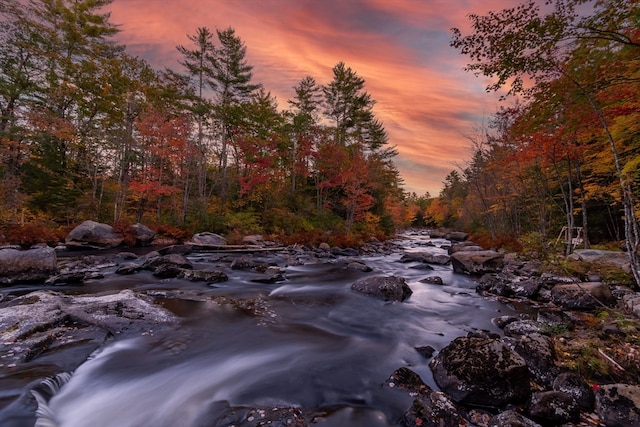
x=401, y=48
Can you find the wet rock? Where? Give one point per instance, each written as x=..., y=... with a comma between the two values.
x=128, y=268
x=388, y=288
x=91, y=234
x=273, y=416
x=163, y=264
x=539, y=353
x=143, y=235
x=582, y=296
x=71, y=278
x=209, y=276
x=433, y=409
x=508, y=285
x=511, y=418
x=434, y=280
x=27, y=266
x=406, y=379
x=618, y=405
x=43, y=322
x=249, y=263
x=522, y=327
x=480, y=370
x=503, y=321
x=358, y=266
x=477, y=262
x=426, y=351
x=576, y=387
x=421, y=267
x=553, y=407
x=272, y=274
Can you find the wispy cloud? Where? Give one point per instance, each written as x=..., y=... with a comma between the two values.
x=424, y=98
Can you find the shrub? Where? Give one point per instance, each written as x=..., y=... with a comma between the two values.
x=29, y=234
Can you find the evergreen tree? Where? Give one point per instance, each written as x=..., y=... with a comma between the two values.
x=231, y=80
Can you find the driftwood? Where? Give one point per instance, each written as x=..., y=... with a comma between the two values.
x=235, y=248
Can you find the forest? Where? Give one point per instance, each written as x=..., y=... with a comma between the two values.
x=89, y=132
x=564, y=148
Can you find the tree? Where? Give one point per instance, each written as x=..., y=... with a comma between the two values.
x=231, y=80
x=199, y=64
x=521, y=43
x=348, y=105
x=304, y=127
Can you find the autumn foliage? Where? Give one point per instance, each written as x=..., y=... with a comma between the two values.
x=88, y=131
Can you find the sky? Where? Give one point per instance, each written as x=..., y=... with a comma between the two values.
x=428, y=104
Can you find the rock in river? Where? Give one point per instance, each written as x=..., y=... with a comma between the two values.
x=33, y=265
x=91, y=234
x=483, y=371
x=477, y=262
x=388, y=288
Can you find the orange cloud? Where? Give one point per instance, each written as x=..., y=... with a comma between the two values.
x=401, y=48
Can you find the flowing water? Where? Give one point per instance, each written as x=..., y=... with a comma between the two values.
x=314, y=343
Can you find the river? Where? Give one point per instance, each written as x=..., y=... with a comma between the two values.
x=307, y=342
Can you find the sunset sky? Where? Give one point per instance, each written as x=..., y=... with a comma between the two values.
x=427, y=103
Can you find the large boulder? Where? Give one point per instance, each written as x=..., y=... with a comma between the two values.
x=582, y=296
x=477, y=262
x=619, y=405
x=456, y=236
x=143, y=234
x=42, y=322
x=208, y=239
x=27, y=266
x=612, y=258
x=539, y=353
x=481, y=370
x=388, y=288
x=93, y=235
